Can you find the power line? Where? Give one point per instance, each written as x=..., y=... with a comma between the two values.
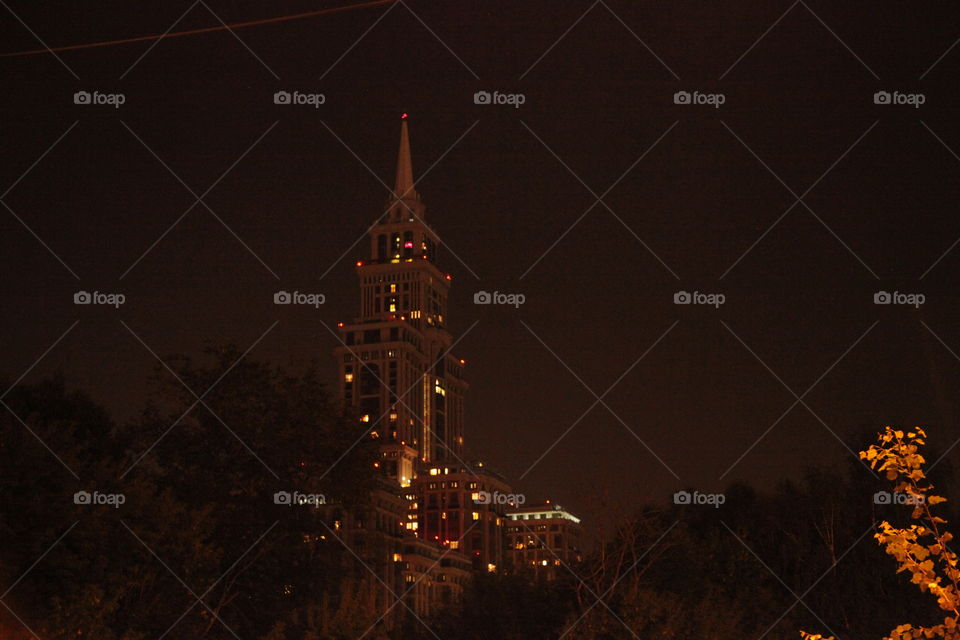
x=191, y=32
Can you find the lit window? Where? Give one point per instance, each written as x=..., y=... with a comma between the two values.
x=365, y=418
x=393, y=307
x=393, y=288
x=348, y=377
x=476, y=515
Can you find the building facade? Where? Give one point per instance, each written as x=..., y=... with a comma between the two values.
x=435, y=519
x=543, y=538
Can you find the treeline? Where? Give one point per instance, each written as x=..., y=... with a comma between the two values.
x=199, y=549
x=765, y=564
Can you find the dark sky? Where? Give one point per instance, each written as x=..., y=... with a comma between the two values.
x=798, y=113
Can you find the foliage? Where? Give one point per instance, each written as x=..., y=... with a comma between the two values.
x=919, y=549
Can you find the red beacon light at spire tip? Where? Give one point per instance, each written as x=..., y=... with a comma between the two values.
x=404, y=116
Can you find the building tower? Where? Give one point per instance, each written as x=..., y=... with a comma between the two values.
x=396, y=369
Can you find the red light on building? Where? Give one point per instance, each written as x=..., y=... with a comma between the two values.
x=359, y=263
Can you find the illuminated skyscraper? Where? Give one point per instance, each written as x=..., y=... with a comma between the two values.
x=396, y=369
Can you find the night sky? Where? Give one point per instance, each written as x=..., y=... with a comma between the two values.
x=712, y=206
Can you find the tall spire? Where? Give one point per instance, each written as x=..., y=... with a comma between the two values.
x=403, y=188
